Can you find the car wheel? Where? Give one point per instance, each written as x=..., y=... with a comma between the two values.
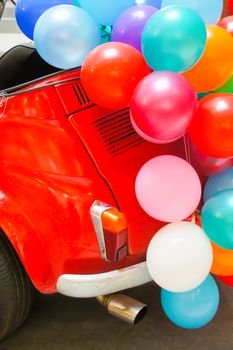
x=15, y=290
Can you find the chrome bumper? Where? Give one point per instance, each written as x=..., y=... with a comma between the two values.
x=89, y=286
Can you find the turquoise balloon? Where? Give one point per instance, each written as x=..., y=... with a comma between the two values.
x=209, y=10
x=218, y=183
x=174, y=39
x=200, y=95
x=106, y=32
x=106, y=12
x=193, y=309
x=64, y=35
x=217, y=219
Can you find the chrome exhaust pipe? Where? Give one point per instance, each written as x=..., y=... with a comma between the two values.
x=123, y=307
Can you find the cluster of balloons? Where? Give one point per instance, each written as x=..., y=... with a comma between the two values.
x=158, y=57
x=217, y=214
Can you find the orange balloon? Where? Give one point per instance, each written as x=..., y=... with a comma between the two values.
x=216, y=65
x=222, y=262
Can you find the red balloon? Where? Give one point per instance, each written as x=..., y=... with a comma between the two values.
x=227, y=280
x=205, y=165
x=227, y=23
x=212, y=127
x=111, y=72
x=230, y=7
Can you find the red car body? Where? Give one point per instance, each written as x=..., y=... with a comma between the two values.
x=58, y=154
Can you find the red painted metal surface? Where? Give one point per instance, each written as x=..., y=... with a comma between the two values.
x=59, y=153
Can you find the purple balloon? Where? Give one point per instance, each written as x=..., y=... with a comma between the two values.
x=130, y=25
x=154, y=3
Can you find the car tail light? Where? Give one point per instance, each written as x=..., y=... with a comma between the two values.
x=111, y=230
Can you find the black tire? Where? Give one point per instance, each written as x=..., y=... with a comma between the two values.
x=15, y=290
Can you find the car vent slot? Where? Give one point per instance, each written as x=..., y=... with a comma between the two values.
x=117, y=132
x=81, y=95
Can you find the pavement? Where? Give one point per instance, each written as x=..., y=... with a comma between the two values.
x=60, y=323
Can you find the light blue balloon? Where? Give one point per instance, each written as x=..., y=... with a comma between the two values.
x=154, y=3
x=106, y=12
x=217, y=219
x=209, y=10
x=64, y=35
x=174, y=39
x=193, y=309
x=218, y=183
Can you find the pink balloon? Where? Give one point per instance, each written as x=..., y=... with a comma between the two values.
x=163, y=106
x=168, y=188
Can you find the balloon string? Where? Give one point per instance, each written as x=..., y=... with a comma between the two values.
x=187, y=149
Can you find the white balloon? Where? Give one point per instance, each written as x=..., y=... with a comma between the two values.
x=179, y=257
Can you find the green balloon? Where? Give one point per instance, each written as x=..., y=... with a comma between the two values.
x=228, y=87
x=217, y=219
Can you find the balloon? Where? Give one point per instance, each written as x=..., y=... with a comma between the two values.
x=227, y=23
x=60, y=38
x=215, y=66
x=222, y=261
x=27, y=13
x=168, y=188
x=228, y=87
x=209, y=10
x=225, y=9
x=166, y=42
x=106, y=11
x=163, y=105
x=111, y=72
x=205, y=165
x=193, y=309
x=230, y=6
x=154, y=3
x=200, y=95
x=216, y=215
x=212, y=127
x=227, y=280
x=105, y=34
x=179, y=257
x=129, y=26
x=218, y=183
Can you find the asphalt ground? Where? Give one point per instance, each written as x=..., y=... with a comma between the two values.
x=59, y=323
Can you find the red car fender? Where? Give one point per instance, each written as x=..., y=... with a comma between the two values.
x=31, y=252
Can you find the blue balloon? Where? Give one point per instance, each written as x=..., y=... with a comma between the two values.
x=218, y=183
x=209, y=10
x=60, y=37
x=217, y=219
x=27, y=13
x=193, y=309
x=154, y=3
x=106, y=11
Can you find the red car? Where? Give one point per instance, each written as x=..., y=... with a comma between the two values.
x=70, y=222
